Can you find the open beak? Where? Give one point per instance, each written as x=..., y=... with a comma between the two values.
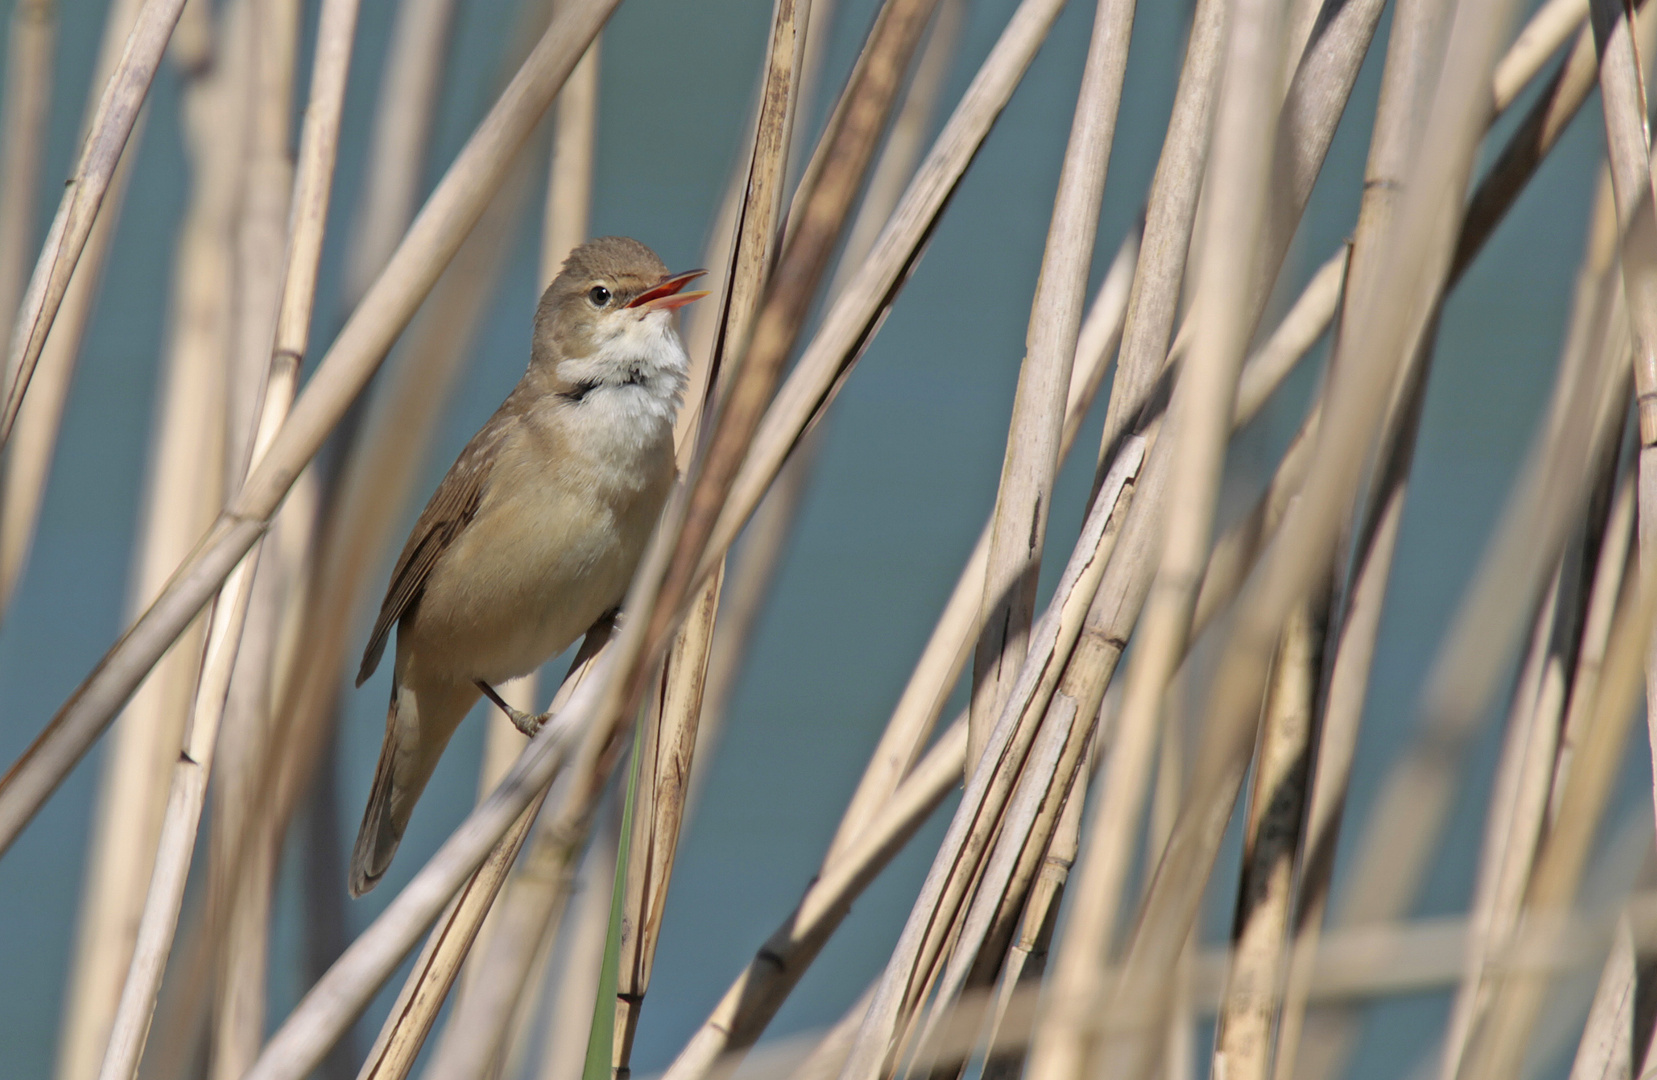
x=666, y=295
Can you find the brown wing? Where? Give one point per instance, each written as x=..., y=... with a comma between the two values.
x=451, y=508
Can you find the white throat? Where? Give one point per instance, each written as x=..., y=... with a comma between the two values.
x=635, y=375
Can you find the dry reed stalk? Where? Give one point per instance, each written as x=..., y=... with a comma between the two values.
x=667, y=748
x=1628, y=139
x=28, y=458
x=569, y=1016
x=319, y=142
x=1271, y=853
x=182, y=494
x=768, y=532
x=1243, y=157
x=1526, y=771
x=855, y=315
x=1607, y=1046
x=30, y=44
x=239, y=889
x=1608, y=583
x=754, y=997
x=1387, y=322
x=995, y=783
x=119, y=104
x=31, y=38
x=1499, y=1043
x=1170, y=216
x=416, y=55
x=355, y=354
x=1537, y=134
x=1025, y=494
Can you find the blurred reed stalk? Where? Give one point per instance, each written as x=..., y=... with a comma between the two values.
x=1292, y=589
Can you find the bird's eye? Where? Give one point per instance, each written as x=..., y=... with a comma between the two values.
x=599, y=295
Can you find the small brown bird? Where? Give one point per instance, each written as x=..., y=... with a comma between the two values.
x=535, y=532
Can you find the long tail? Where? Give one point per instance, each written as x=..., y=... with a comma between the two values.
x=419, y=721
x=381, y=830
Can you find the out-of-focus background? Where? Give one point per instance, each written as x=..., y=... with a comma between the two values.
x=908, y=472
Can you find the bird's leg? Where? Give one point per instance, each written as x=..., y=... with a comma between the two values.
x=521, y=720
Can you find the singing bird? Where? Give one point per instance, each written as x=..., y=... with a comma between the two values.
x=534, y=533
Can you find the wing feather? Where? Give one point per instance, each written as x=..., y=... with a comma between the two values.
x=450, y=510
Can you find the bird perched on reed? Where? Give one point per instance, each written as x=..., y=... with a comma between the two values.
x=534, y=533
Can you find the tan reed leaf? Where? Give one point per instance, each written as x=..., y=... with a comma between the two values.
x=355, y=354
x=1025, y=495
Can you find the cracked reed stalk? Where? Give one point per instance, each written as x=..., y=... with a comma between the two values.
x=117, y=113
x=436, y=234
x=1025, y=493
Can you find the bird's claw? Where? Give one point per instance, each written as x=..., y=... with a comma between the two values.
x=524, y=722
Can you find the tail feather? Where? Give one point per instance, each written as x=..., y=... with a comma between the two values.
x=381, y=831
x=422, y=716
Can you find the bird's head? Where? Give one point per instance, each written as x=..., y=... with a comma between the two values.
x=606, y=319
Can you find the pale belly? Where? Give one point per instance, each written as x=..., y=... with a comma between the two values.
x=529, y=575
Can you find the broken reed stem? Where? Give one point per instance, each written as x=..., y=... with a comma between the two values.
x=319, y=145
x=356, y=353
x=118, y=106
x=1025, y=494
